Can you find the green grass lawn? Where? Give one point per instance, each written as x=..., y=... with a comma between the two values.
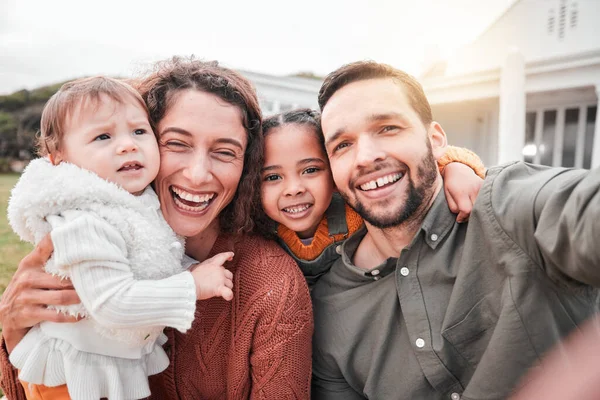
x=12, y=249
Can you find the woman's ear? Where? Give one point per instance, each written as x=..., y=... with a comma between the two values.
x=438, y=140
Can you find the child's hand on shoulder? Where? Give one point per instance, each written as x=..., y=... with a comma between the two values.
x=212, y=279
x=462, y=186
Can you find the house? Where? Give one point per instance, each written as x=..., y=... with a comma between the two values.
x=527, y=88
x=283, y=93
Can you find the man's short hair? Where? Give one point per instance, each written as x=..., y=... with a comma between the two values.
x=362, y=70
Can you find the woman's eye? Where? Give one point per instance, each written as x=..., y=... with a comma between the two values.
x=139, y=131
x=226, y=153
x=272, y=177
x=104, y=136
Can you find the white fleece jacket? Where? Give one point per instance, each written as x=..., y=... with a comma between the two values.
x=122, y=257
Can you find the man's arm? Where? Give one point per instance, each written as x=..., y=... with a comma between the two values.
x=553, y=214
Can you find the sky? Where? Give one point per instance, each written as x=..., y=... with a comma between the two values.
x=44, y=42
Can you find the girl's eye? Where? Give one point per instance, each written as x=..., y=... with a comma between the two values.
x=272, y=177
x=104, y=136
x=139, y=131
x=311, y=170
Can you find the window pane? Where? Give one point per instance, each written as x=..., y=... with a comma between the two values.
x=589, y=136
x=547, y=145
x=570, y=137
x=530, y=148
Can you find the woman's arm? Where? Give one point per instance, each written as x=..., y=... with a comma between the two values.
x=281, y=357
x=23, y=305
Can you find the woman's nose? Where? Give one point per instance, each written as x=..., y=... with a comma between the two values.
x=198, y=171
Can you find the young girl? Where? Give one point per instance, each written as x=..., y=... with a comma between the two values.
x=91, y=193
x=299, y=195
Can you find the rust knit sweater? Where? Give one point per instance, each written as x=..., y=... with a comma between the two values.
x=258, y=346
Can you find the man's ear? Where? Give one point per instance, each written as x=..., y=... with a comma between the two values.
x=438, y=140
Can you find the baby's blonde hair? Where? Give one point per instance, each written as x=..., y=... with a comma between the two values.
x=71, y=94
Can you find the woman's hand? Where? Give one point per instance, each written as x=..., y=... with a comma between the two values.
x=212, y=279
x=462, y=186
x=23, y=304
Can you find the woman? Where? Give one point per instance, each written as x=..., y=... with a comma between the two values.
x=256, y=346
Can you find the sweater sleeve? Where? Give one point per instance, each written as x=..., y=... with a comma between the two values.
x=95, y=254
x=463, y=156
x=281, y=355
x=9, y=378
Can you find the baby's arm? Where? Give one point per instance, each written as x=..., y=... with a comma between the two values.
x=96, y=255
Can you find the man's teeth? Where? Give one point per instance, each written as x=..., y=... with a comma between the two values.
x=379, y=182
x=297, y=209
x=193, y=197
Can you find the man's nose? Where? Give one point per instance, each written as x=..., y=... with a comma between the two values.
x=368, y=151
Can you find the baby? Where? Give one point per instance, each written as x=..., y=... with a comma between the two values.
x=91, y=193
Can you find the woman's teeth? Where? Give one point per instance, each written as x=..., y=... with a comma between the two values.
x=193, y=197
x=379, y=182
x=297, y=209
x=191, y=202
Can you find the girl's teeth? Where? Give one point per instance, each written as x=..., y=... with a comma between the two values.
x=294, y=210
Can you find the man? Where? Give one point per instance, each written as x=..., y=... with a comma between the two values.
x=419, y=306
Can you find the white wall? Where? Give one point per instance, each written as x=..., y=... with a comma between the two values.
x=525, y=25
x=471, y=124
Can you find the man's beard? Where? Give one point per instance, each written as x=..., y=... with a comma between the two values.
x=415, y=196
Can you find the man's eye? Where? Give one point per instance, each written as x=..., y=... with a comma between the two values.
x=140, y=131
x=104, y=136
x=341, y=146
x=389, y=128
x=272, y=177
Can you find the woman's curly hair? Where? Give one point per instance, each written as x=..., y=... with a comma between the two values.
x=244, y=214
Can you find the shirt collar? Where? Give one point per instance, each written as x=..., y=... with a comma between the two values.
x=438, y=221
x=436, y=225
x=352, y=272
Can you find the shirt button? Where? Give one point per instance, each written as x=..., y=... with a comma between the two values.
x=375, y=272
x=404, y=271
x=434, y=237
x=375, y=278
x=455, y=396
x=338, y=249
x=420, y=343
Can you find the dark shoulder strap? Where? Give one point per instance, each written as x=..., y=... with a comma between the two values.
x=336, y=216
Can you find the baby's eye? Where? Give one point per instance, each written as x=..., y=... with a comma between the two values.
x=104, y=136
x=272, y=177
x=140, y=131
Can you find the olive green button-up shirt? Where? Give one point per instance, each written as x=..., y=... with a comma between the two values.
x=465, y=309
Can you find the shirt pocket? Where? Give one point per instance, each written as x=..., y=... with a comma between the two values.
x=471, y=335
